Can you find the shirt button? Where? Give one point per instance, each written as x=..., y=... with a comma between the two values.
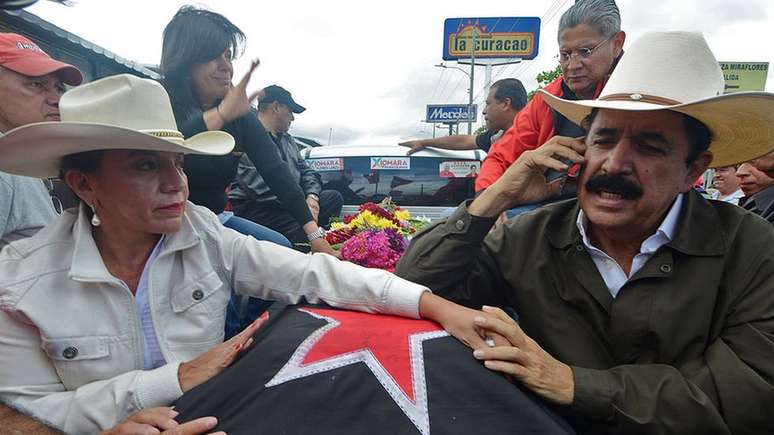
x=460, y=225
x=70, y=352
x=197, y=294
x=666, y=268
x=579, y=247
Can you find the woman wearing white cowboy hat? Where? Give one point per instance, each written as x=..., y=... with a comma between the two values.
x=118, y=306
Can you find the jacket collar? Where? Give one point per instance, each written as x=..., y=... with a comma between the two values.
x=87, y=264
x=699, y=230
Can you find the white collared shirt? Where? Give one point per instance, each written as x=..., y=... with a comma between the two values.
x=731, y=198
x=611, y=271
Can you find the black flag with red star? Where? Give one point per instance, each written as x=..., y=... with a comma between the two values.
x=320, y=370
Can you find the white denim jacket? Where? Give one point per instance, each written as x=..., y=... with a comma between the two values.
x=71, y=350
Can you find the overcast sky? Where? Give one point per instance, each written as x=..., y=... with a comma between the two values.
x=366, y=69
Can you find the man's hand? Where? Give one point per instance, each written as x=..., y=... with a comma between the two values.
x=161, y=420
x=414, y=145
x=314, y=207
x=236, y=102
x=525, y=181
x=322, y=245
x=215, y=360
x=765, y=164
x=524, y=359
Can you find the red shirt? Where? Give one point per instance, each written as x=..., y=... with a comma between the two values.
x=533, y=126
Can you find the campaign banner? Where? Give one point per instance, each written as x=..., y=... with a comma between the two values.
x=459, y=169
x=451, y=113
x=326, y=165
x=491, y=38
x=744, y=76
x=399, y=163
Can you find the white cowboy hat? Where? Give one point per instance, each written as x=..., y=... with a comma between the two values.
x=677, y=71
x=117, y=112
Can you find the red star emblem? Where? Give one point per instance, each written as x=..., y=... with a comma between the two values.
x=391, y=347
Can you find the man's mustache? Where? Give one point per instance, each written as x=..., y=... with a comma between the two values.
x=615, y=184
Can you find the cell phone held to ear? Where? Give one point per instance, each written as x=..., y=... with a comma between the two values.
x=571, y=172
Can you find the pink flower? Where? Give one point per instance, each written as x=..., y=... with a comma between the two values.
x=373, y=249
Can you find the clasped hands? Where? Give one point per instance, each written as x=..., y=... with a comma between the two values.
x=514, y=353
x=520, y=358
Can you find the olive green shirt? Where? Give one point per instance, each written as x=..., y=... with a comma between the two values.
x=686, y=347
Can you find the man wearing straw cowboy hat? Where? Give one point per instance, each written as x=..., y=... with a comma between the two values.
x=643, y=308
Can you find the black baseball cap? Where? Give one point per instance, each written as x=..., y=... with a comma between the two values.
x=282, y=96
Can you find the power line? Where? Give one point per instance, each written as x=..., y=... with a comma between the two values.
x=437, y=85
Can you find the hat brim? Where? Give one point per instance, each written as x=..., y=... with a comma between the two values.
x=296, y=108
x=742, y=123
x=40, y=66
x=36, y=150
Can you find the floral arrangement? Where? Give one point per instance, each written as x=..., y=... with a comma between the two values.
x=376, y=236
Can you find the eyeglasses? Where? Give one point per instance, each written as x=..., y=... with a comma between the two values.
x=582, y=53
x=52, y=193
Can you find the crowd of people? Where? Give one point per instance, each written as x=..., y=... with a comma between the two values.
x=642, y=306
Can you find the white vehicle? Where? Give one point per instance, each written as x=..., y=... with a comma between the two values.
x=429, y=183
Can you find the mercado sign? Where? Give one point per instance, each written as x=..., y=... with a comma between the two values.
x=744, y=76
x=490, y=38
x=451, y=113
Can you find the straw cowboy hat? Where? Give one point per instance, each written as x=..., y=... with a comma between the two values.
x=677, y=71
x=117, y=112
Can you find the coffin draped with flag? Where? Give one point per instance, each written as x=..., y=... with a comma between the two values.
x=319, y=370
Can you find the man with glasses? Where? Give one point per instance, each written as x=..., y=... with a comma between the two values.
x=590, y=44
x=31, y=84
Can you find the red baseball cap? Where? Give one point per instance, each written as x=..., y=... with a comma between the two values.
x=23, y=56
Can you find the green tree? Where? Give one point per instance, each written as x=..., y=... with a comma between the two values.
x=544, y=78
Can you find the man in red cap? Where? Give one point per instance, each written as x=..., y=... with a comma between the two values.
x=31, y=84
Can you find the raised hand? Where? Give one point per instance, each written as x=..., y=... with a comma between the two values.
x=525, y=180
x=236, y=103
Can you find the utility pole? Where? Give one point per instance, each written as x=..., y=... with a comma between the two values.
x=330, y=133
x=474, y=31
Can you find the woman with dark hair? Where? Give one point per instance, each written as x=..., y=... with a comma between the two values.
x=196, y=63
x=117, y=307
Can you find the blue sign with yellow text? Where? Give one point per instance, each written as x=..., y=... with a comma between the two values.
x=491, y=38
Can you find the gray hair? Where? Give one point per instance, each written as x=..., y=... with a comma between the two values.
x=602, y=15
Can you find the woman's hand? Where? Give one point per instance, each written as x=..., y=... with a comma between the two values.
x=456, y=320
x=321, y=245
x=161, y=420
x=212, y=362
x=236, y=103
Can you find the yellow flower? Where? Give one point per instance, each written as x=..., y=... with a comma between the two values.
x=403, y=215
x=383, y=223
x=366, y=220
x=337, y=225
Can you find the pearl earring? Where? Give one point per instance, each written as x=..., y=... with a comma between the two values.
x=95, y=220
